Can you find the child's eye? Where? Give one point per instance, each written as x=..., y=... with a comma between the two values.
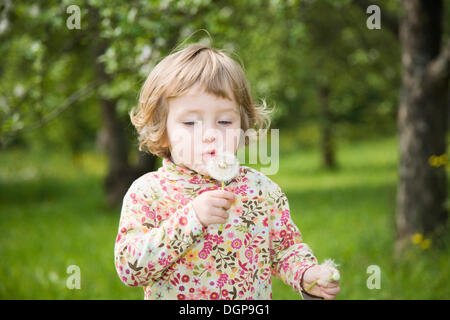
x=189, y=123
x=225, y=122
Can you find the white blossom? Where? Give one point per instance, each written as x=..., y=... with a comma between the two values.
x=223, y=167
x=334, y=273
x=329, y=263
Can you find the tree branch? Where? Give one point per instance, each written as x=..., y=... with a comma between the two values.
x=55, y=112
x=439, y=68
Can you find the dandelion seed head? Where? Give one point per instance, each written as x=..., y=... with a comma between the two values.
x=223, y=167
x=329, y=263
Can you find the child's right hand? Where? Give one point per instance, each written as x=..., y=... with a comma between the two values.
x=325, y=287
x=211, y=206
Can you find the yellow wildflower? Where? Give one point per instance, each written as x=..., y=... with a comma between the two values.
x=425, y=244
x=417, y=238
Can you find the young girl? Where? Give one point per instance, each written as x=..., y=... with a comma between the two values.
x=180, y=235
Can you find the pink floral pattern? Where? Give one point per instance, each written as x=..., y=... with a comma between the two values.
x=162, y=246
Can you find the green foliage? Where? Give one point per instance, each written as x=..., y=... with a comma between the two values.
x=53, y=78
x=289, y=50
x=53, y=216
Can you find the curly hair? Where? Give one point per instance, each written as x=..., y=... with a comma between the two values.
x=196, y=64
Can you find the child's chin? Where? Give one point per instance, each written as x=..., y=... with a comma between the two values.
x=203, y=172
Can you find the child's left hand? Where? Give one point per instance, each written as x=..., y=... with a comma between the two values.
x=324, y=287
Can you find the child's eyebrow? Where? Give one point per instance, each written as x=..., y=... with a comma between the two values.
x=201, y=110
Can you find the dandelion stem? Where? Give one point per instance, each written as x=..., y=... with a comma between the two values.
x=311, y=285
x=315, y=282
x=221, y=226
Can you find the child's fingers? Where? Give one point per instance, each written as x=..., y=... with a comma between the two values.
x=218, y=212
x=327, y=296
x=221, y=203
x=217, y=220
x=224, y=194
x=332, y=291
x=327, y=283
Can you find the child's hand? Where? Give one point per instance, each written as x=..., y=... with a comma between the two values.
x=325, y=286
x=211, y=206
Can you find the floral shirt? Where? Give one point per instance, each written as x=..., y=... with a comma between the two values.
x=162, y=246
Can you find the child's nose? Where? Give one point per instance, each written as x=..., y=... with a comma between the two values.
x=210, y=134
x=208, y=138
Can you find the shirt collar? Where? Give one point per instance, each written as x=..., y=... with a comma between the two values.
x=175, y=172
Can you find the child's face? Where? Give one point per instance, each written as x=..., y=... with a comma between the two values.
x=199, y=122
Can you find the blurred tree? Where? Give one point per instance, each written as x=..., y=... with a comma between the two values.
x=352, y=78
x=305, y=55
x=422, y=122
x=422, y=118
x=110, y=55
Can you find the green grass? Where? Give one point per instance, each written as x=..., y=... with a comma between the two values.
x=53, y=216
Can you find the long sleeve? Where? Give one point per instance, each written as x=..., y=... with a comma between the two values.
x=289, y=255
x=149, y=239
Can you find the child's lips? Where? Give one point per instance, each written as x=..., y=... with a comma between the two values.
x=209, y=155
x=210, y=152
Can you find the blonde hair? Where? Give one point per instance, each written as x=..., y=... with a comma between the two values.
x=196, y=64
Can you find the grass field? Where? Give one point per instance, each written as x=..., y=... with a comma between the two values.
x=53, y=215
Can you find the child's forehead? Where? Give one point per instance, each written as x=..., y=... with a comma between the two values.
x=202, y=89
x=201, y=93
x=201, y=103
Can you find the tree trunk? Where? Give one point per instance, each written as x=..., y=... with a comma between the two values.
x=328, y=158
x=422, y=124
x=115, y=142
